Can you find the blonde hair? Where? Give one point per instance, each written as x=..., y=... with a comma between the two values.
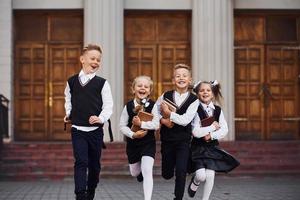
x=142, y=77
x=182, y=66
x=90, y=47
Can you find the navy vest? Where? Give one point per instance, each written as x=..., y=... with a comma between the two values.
x=178, y=132
x=130, y=110
x=86, y=100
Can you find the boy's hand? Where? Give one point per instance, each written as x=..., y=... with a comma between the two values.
x=66, y=119
x=95, y=120
x=165, y=110
x=166, y=122
x=136, y=121
x=139, y=134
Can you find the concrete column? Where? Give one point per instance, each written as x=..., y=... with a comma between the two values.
x=103, y=24
x=212, y=49
x=6, y=56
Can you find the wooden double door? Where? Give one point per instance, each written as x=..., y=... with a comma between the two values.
x=154, y=43
x=267, y=92
x=45, y=57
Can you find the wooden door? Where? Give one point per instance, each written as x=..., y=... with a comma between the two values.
x=282, y=83
x=154, y=43
x=249, y=83
x=45, y=57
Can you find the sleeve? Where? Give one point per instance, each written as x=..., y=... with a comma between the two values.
x=125, y=130
x=199, y=131
x=68, y=105
x=107, y=107
x=187, y=117
x=222, y=132
x=154, y=124
x=157, y=105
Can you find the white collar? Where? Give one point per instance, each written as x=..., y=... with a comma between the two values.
x=210, y=105
x=90, y=76
x=181, y=95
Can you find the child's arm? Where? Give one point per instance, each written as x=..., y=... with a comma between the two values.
x=198, y=130
x=125, y=130
x=154, y=123
x=107, y=107
x=222, y=131
x=187, y=117
x=68, y=105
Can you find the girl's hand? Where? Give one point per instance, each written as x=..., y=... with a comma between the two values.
x=207, y=137
x=136, y=121
x=216, y=125
x=164, y=109
x=95, y=120
x=139, y=134
x=166, y=122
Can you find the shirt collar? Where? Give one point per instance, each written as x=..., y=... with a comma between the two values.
x=181, y=95
x=210, y=105
x=90, y=76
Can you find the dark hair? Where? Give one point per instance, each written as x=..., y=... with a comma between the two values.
x=90, y=47
x=215, y=88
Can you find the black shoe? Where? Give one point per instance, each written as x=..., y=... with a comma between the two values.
x=81, y=196
x=191, y=192
x=90, y=194
x=140, y=177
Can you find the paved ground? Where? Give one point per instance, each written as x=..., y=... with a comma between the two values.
x=226, y=188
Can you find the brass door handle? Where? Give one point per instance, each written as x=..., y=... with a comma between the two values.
x=241, y=119
x=291, y=119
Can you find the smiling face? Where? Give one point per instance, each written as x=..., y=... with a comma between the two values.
x=90, y=61
x=205, y=93
x=141, y=88
x=182, y=79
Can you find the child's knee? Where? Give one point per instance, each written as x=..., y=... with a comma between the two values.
x=200, y=176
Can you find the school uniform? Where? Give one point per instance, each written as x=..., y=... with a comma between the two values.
x=175, y=141
x=87, y=95
x=139, y=147
x=207, y=154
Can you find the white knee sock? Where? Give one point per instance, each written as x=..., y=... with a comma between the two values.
x=147, y=168
x=135, y=169
x=207, y=176
x=209, y=183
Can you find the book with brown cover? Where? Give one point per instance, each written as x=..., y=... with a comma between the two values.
x=207, y=121
x=145, y=117
x=172, y=106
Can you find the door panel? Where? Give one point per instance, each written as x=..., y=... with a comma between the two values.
x=140, y=60
x=283, y=112
x=248, y=92
x=169, y=56
x=30, y=91
x=63, y=62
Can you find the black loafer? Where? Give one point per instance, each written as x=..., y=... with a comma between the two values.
x=140, y=177
x=191, y=192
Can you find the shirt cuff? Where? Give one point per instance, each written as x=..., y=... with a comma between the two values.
x=101, y=119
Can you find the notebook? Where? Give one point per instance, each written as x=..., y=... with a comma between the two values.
x=207, y=121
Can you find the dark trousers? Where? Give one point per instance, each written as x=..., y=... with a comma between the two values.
x=175, y=156
x=87, y=148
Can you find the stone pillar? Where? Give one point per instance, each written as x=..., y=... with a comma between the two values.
x=212, y=49
x=103, y=24
x=6, y=58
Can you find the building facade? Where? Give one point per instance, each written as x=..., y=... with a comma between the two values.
x=251, y=47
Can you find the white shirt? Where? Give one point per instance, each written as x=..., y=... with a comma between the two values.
x=199, y=131
x=185, y=118
x=107, y=106
x=150, y=125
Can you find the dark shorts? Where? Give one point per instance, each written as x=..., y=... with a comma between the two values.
x=136, y=151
